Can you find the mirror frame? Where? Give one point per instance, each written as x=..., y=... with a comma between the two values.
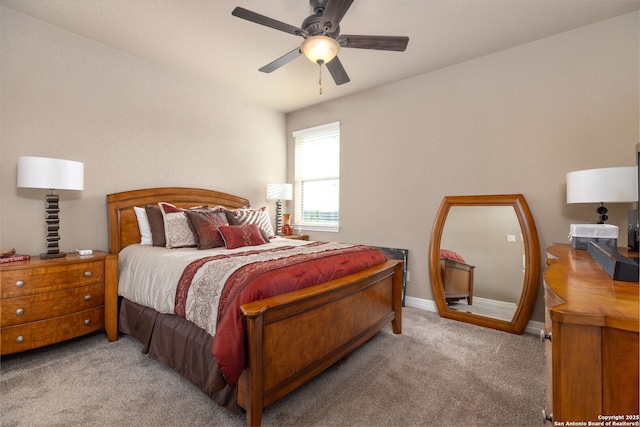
x=532, y=261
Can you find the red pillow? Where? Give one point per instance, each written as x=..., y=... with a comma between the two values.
x=237, y=236
x=450, y=255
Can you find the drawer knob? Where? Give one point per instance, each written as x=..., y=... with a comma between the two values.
x=20, y=312
x=544, y=336
x=19, y=283
x=87, y=297
x=87, y=274
x=546, y=417
x=19, y=339
x=87, y=322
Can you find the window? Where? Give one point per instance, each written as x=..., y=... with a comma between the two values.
x=317, y=177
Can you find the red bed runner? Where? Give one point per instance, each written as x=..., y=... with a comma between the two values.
x=264, y=279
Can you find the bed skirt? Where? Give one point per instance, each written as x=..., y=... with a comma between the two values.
x=180, y=345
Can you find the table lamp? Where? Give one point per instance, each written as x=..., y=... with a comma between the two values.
x=279, y=192
x=604, y=185
x=52, y=174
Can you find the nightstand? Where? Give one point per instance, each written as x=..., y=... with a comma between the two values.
x=45, y=301
x=296, y=236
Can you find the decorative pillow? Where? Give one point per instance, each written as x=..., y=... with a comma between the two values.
x=143, y=226
x=236, y=236
x=204, y=225
x=252, y=216
x=450, y=255
x=177, y=232
x=154, y=215
x=264, y=236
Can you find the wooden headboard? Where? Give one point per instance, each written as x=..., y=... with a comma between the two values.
x=123, y=224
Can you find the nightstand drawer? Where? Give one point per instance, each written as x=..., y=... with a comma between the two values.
x=45, y=332
x=53, y=304
x=30, y=281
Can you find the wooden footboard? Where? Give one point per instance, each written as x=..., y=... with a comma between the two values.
x=295, y=336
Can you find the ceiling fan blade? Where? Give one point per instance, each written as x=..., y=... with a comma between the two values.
x=333, y=14
x=283, y=60
x=374, y=42
x=337, y=71
x=266, y=21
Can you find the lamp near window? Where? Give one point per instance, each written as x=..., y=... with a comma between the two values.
x=604, y=185
x=52, y=174
x=279, y=192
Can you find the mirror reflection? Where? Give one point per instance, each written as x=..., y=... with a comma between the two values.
x=482, y=260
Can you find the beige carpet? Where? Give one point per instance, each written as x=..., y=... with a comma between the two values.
x=437, y=373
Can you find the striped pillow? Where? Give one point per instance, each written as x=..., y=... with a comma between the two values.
x=252, y=216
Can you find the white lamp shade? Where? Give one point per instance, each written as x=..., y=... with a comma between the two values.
x=605, y=185
x=320, y=49
x=43, y=172
x=279, y=191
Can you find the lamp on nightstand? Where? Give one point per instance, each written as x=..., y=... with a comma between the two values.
x=279, y=192
x=52, y=174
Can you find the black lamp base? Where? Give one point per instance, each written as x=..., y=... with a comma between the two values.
x=55, y=255
x=278, y=218
x=603, y=214
x=53, y=225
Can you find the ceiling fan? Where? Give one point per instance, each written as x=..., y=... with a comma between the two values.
x=322, y=39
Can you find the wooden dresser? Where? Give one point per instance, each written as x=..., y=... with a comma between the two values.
x=48, y=301
x=591, y=331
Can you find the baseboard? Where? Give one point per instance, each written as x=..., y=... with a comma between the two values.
x=423, y=304
x=533, y=327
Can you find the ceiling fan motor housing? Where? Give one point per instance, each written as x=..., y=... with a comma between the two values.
x=313, y=28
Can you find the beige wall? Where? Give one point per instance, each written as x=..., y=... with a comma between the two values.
x=513, y=122
x=132, y=123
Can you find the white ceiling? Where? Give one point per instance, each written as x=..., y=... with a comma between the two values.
x=201, y=39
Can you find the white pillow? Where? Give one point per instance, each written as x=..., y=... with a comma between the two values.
x=143, y=226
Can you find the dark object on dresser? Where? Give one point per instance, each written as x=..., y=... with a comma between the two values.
x=616, y=265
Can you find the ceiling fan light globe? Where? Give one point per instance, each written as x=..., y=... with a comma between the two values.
x=320, y=49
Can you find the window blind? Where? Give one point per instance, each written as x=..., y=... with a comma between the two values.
x=317, y=177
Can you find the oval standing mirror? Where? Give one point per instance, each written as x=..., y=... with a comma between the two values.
x=484, y=258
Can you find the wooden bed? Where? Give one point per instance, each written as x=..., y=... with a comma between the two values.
x=291, y=337
x=457, y=280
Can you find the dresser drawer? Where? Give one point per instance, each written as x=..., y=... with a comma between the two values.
x=31, y=281
x=36, y=334
x=52, y=304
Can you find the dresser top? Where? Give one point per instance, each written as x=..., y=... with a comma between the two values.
x=36, y=261
x=588, y=295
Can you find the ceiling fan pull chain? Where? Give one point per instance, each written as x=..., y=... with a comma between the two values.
x=320, y=76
